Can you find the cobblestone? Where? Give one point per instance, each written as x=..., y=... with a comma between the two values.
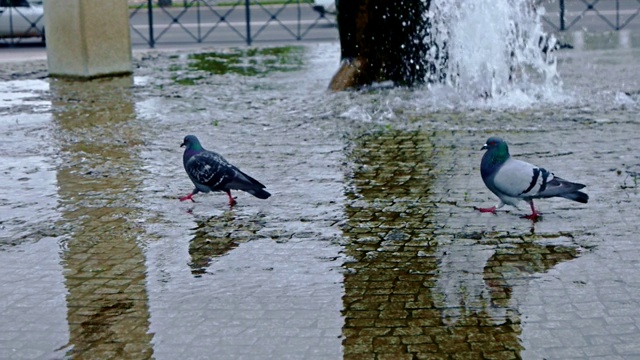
x=368, y=249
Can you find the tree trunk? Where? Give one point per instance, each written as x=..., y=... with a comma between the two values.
x=382, y=40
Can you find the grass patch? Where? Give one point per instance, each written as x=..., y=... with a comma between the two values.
x=245, y=62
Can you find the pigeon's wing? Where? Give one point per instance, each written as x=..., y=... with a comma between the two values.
x=520, y=179
x=243, y=181
x=561, y=187
x=210, y=169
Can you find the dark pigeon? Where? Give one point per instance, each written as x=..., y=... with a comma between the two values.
x=514, y=180
x=209, y=171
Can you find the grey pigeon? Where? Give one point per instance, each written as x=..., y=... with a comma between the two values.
x=209, y=171
x=514, y=180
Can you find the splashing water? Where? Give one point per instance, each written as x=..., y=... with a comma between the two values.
x=482, y=54
x=491, y=48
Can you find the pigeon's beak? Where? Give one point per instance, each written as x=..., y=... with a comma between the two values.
x=484, y=147
x=183, y=145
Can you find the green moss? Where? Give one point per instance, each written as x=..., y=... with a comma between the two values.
x=245, y=62
x=187, y=81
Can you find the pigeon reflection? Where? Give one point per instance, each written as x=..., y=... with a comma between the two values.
x=485, y=281
x=220, y=234
x=421, y=281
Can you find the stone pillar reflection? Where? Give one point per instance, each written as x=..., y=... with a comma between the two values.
x=104, y=266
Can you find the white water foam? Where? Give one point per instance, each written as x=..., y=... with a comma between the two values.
x=495, y=52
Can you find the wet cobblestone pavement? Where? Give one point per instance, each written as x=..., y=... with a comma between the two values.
x=369, y=247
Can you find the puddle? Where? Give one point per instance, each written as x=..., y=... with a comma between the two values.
x=415, y=287
x=28, y=192
x=219, y=235
x=104, y=272
x=369, y=245
x=25, y=95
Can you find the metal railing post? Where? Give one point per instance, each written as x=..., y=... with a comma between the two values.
x=199, y=21
x=247, y=4
x=617, y=14
x=299, y=27
x=11, y=24
x=150, y=13
x=562, y=25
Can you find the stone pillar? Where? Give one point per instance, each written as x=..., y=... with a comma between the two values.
x=88, y=38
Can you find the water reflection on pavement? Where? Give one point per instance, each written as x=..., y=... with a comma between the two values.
x=368, y=248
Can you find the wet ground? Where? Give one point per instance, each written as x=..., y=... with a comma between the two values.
x=368, y=248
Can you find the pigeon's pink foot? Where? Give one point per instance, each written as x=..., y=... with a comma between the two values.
x=188, y=197
x=232, y=201
x=486, y=210
x=533, y=217
x=534, y=214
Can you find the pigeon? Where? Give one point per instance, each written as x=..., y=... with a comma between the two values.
x=514, y=180
x=209, y=171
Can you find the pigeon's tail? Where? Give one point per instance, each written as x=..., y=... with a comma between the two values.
x=578, y=196
x=259, y=193
x=250, y=185
x=566, y=189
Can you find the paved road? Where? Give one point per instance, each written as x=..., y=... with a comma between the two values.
x=217, y=26
x=227, y=26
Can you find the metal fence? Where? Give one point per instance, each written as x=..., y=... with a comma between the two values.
x=613, y=14
x=20, y=19
x=250, y=21
x=245, y=21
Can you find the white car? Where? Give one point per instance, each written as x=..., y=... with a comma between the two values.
x=20, y=18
